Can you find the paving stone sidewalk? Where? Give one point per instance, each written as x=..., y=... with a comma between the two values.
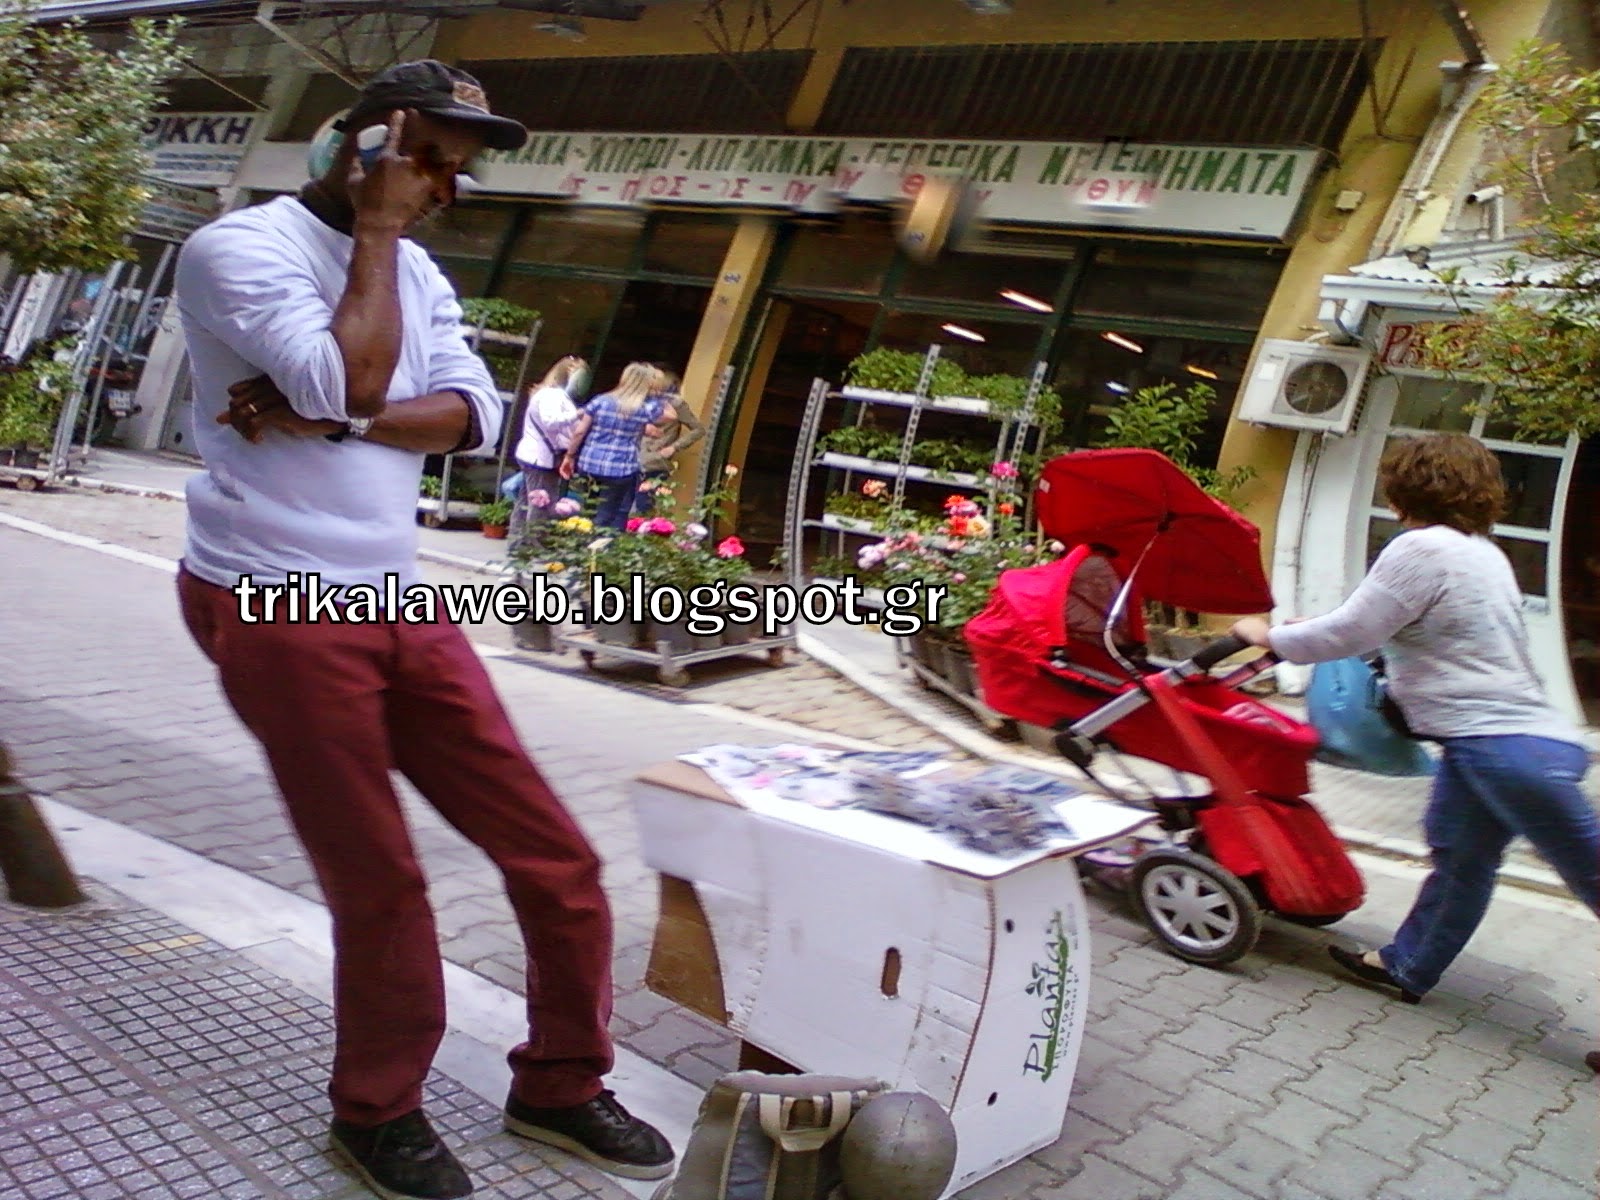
x=1272, y=1079
x=140, y=1059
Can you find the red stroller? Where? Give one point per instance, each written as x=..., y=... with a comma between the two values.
x=1062, y=645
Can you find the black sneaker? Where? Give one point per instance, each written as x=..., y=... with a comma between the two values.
x=402, y=1159
x=601, y=1131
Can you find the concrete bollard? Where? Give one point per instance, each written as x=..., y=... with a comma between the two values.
x=31, y=862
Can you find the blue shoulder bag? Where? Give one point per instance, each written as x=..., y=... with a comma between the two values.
x=1359, y=723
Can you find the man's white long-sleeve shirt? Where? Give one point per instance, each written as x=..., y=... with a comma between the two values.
x=256, y=291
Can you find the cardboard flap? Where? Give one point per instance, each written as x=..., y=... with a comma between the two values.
x=682, y=777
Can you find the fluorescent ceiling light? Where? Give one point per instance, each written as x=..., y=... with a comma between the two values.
x=1200, y=371
x=989, y=8
x=1120, y=389
x=1025, y=300
x=963, y=332
x=1116, y=339
x=567, y=27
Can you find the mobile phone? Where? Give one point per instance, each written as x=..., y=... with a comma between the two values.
x=369, y=143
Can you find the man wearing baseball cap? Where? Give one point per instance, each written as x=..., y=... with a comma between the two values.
x=328, y=360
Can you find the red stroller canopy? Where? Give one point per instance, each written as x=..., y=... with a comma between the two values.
x=1207, y=558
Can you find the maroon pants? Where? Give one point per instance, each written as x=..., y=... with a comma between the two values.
x=336, y=708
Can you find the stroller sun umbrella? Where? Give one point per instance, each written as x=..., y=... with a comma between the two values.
x=1207, y=558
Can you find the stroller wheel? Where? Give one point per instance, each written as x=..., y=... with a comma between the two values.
x=1200, y=910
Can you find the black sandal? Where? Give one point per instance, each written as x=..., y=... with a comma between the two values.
x=1362, y=969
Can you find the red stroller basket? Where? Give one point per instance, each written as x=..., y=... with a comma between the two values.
x=1062, y=645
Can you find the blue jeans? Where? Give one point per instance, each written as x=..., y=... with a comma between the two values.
x=1488, y=791
x=614, y=497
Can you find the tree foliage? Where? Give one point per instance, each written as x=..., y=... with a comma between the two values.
x=1164, y=419
x=71, y=156
x=1538, y=339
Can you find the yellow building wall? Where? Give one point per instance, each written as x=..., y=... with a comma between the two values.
x=1382, y=139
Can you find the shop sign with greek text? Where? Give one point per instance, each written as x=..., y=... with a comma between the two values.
x=1205, y=190
x=198, y=148
x=174, y=211
x=1405, y=344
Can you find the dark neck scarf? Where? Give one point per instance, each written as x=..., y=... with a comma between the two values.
x=328, y=208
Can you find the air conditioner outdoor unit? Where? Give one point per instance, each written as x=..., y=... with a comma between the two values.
x=1300, y=385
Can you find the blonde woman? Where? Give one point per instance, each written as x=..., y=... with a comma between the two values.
x=546, y=433
x=605, y=442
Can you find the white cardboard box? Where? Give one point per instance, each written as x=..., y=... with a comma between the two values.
x=848, y=942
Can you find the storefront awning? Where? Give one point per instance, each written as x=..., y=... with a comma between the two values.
x=1478, y=271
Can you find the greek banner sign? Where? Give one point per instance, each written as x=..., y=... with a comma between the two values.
x=199, y=149
x=175, y=211
x=1204, y=190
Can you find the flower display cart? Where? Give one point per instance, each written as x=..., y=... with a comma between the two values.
x=653, y=554
x=946, y=667
x=668, y=653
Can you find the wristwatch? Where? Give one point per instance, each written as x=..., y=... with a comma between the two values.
x=355, y=425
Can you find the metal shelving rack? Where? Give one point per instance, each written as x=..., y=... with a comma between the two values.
x=1011, y=438
x=510, y=425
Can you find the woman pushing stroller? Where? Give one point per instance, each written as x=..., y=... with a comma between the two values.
x=1444, y=604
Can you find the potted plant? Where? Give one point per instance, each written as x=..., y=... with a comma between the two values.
x=964, y=552
x=503, y=328
x=495, y=517
x=1164, y=419
x=30, y=405
x=1007, y=396
x=885, y=372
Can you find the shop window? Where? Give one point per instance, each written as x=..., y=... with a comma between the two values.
x=1156, y=284
x=655, y=322
x=466, y=230
x=576, y=313
x=1005, y=348
x=582, y=237
x=1529, y=557
x=852, y=255
x=1529, y=560
x=1380, y=532
x=1028, y=284
x=469, y=276
x=1531, y=482
x=1435, y=405
x=1500, y=427
x=1095, y=371
x=688, y=244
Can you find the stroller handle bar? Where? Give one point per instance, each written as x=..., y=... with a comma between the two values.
x=1196, y=667
x=1212, y=653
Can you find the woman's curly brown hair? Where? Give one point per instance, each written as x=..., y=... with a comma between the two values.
x=1444, y=479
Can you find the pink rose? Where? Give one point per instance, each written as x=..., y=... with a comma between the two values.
x=539, y=498
x=567, y=507
x=730, y=547
x=634, y=523
x=660, y=525
x=1003, y=470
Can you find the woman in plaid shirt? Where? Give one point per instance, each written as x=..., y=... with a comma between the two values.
x=605, y=443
